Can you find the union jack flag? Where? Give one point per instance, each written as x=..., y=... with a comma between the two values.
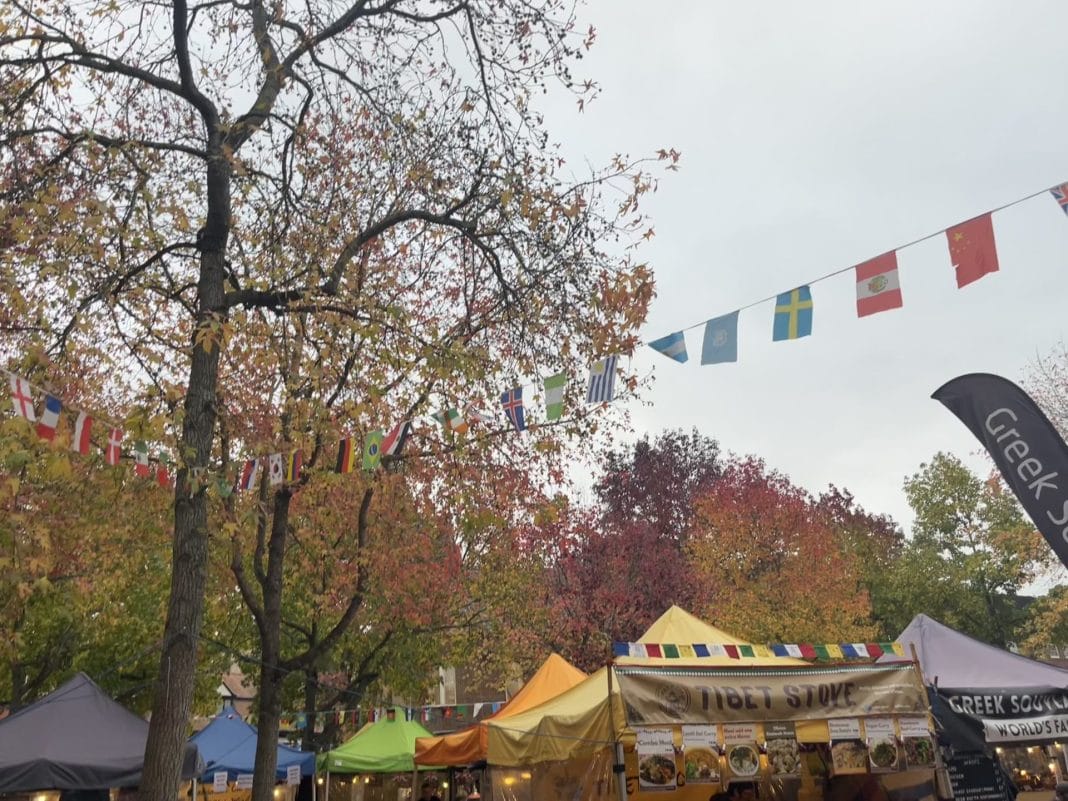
x=1060, y=194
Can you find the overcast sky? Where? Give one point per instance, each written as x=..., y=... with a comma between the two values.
x=815, y=136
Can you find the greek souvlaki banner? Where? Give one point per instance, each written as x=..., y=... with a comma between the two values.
x=1008, y=715
x=666, y=696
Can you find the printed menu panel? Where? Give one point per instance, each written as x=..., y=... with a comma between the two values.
x=916, y=742
x=700, y=747
x=882, y=745
x=743, y=755
x=784, y=756
x=848, y=752
x=656, y=759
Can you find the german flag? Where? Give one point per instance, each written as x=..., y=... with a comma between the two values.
x=346, y=453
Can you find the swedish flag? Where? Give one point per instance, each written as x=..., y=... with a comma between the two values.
x=793, y=314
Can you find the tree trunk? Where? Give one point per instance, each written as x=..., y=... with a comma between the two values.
x=271, y=673
x=173, y=701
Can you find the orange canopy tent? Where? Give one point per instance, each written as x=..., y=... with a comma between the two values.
x=467, y=746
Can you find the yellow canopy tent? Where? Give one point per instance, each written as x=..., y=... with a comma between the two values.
x=586, y=719
x=469, y=745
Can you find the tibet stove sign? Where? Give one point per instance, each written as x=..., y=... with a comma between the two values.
x=1007, y=716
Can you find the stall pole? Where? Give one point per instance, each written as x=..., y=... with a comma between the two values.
x=194, y=796
x=315, y=779
x=326, y=795
x=415, y=781
x=619, y=767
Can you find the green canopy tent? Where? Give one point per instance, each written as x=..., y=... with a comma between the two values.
x=387, y=746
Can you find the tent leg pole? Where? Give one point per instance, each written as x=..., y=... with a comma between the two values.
x=315, y=779
x=326, y=795
x=620, y=769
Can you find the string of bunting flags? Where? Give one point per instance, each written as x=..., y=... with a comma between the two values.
x=286, y=467
x=424, y=714
x=972, y=252
x=818, y=651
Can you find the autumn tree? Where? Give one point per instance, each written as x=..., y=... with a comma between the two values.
x=361, y=192
x=774, y=567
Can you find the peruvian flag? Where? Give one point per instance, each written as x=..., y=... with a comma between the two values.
x=46, y=426
x=114, y=450
x=878, y=288
x=972, y=249
x=83, y=428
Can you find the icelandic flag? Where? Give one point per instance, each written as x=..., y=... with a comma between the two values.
x=721, y=340
x=602, y=384
x=673, y=346
x=83, y=427
x=512, y=401
x=46, y=425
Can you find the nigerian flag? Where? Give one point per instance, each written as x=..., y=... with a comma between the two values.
x=554, y=396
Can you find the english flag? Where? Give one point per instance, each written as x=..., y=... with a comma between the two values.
x=22, y=398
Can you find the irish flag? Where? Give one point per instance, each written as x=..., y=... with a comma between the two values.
x=878, y=288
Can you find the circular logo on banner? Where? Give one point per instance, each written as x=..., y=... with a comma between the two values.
x=673, y=699
x=719, y=339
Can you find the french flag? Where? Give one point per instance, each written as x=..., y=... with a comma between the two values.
x=83, y=428
x=46, y=426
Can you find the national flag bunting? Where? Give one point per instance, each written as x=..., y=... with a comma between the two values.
x=141, y=459
x=972, y=249
x=453, y=420
x=114, y=449
x=393, y=442
x=721, y=340
x=250, y=474
x=811, y=651
x=22, y=398
x=372, y=450
x=83, y=428
x=673, y=346
x=793, y=315
x=276, y=469
x=163, y=473
x=602, y=384
x=554, y=396
x=1060, y=194
x=49, y=420
x=293, y=464
x=346, y=455
x=512, y=401
x=878, y=288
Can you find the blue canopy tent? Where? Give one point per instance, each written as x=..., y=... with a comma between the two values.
x=228, y=743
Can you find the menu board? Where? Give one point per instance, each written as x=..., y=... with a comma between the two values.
x=743, y=755
x=916, y=742
x=700, y=747
x=656, y=759
x=293, y=774
x=244, y=781
x=218, y=781
x=848, y=752
x=883, y=753
x=780, y=742
x=976, y=778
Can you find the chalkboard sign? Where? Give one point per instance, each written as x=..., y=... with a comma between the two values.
x=977, y=778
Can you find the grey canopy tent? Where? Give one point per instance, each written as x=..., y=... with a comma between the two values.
x=1004, y=697
x=77, y=738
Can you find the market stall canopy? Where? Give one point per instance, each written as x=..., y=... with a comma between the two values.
x=387, y=746
x=470, y=745
x=578, y=722
x=77, y=738
x=950, y=658
x=678, y=627
x=228, y=744
x=1007, y=697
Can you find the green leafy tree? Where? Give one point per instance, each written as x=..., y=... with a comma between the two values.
x=971, y=552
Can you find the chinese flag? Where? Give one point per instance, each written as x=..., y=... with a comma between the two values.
x=971, y=247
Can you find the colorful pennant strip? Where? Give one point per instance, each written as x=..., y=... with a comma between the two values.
x=815, y=651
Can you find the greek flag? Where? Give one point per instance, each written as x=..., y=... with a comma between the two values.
x=602, y=381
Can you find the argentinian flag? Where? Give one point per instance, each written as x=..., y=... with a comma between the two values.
x=673, y=346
